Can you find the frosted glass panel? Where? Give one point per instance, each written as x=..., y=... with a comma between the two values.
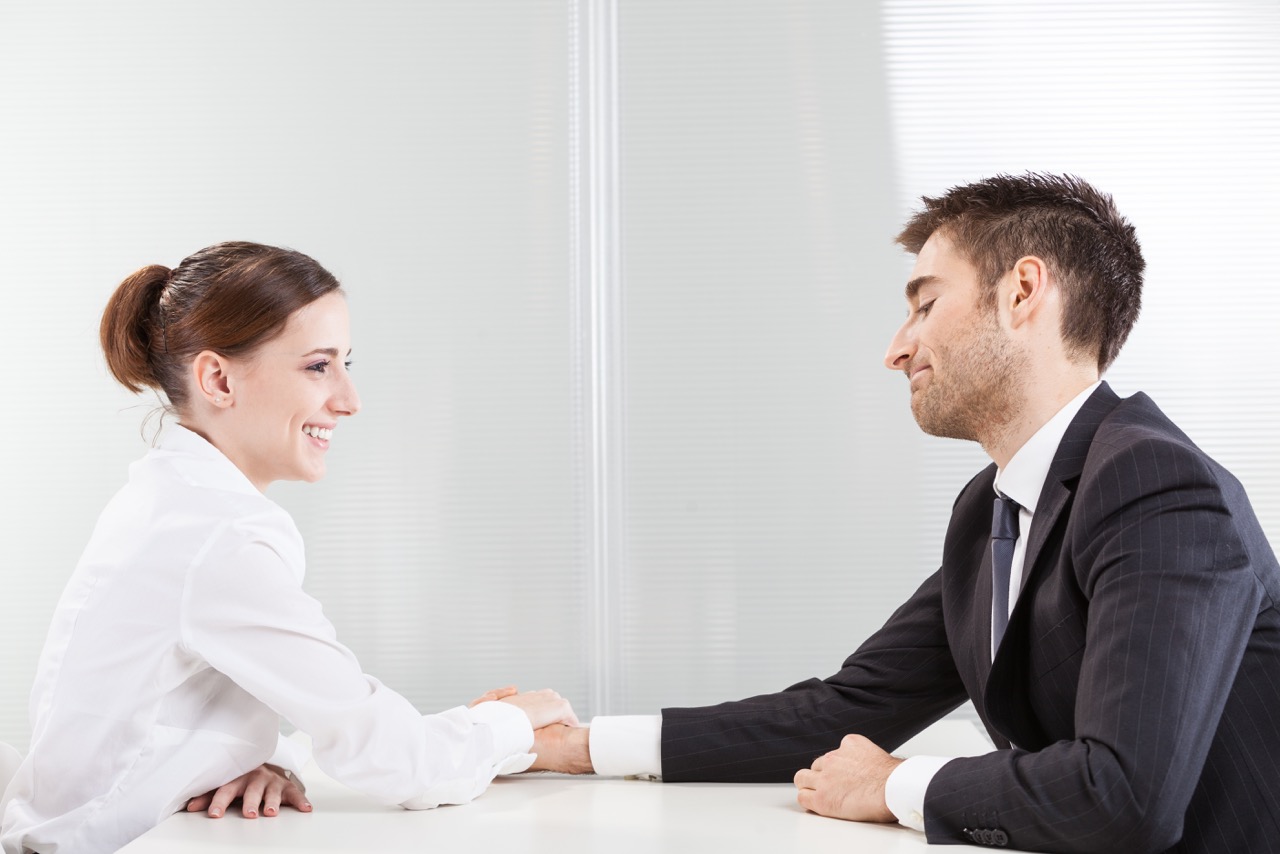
x=768, y=465
x=778, y=499
x=1172, y=108
x=419, y=150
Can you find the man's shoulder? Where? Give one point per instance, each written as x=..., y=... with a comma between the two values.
x=1138, y=447
x=981, y=484
x=1137, y=421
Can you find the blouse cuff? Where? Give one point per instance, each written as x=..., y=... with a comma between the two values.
x=512, y=732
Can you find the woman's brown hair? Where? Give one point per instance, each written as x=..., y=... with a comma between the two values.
x=229, y=298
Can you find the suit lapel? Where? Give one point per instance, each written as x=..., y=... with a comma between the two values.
x=982, y=607
x=1064, y=472
x=1006, y=694
x=966, y=582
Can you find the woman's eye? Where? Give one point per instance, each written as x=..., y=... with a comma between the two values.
x=347, y=364
x=319, y=367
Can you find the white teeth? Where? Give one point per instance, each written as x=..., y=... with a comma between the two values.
x=318, y=432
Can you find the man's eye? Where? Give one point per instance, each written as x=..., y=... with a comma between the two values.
x=924, y=309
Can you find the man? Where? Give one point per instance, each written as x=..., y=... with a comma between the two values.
x=1106, y=597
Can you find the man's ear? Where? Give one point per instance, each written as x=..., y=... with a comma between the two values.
x=1029, y=288
x=213, y=384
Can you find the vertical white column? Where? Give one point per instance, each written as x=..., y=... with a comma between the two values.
x=598, y=320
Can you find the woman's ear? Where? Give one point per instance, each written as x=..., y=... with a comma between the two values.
x=212, y=381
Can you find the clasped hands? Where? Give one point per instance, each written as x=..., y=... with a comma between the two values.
x=846, y=783
x=264, y=790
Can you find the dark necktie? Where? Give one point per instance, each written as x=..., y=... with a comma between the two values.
x=1004, y=533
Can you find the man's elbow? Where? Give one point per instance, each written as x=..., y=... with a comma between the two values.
x=1151, y=834
x=1138, y=826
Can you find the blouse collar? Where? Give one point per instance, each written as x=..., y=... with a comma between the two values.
x=200, y=463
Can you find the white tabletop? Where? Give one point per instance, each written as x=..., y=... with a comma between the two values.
x=555, y=814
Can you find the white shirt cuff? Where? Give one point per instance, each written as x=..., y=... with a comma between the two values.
x=905, y=789
x=627, y=745
x=291, y=755
x=512, y=733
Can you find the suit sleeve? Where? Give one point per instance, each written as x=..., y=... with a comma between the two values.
x=1171, y=600
x=897, y=683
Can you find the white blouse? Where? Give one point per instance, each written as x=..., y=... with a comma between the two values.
x=181, y=639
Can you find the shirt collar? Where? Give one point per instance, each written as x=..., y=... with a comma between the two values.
x=200, y=463
x=1024, y=475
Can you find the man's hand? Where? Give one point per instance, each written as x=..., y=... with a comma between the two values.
x=565, y=749
x=848, y=782
x=266, y=786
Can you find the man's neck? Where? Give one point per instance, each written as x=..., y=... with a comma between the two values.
x=1042, y=399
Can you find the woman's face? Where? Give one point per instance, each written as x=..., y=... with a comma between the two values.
x=283, y=402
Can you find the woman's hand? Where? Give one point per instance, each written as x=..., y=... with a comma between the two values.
x=266, y=786
x=543, y=707
x=495, y=694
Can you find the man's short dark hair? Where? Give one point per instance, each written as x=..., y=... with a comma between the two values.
x=1092, y=251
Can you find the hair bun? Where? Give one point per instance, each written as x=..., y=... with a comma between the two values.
x=131, y=323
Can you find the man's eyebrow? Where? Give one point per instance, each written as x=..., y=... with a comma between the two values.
x=914, y=286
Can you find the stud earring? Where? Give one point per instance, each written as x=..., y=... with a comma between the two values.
x=218, y=399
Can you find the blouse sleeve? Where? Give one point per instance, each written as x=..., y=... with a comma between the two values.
x=245, y=613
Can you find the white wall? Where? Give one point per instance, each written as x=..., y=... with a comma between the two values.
x=778, y=499
x=419, y=150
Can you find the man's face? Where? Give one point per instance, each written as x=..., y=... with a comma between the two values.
x=961, y=364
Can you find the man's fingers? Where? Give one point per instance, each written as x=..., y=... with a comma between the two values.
x=807, y=798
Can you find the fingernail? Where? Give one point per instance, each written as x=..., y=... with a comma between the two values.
x=251, y=814
x=215, y=812
x=268, y=811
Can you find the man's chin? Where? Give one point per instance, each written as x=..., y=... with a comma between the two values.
x=938, y=425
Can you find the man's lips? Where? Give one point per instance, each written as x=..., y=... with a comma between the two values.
x=917, y=370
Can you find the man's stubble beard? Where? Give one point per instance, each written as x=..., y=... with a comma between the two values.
x=979, y=395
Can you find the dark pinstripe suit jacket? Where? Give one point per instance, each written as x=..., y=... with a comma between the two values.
x=1135, y=695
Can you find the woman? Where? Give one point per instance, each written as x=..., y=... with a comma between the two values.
x=184, y=634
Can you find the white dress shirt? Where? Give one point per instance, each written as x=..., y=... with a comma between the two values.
x=632, y=745
x=181, y=639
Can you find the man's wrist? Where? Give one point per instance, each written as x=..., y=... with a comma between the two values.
x=562, y=749
x=579, y=752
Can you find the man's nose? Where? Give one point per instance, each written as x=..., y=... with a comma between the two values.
x=901, y=349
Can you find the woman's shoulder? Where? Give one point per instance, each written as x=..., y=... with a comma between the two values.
x=199, y=493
